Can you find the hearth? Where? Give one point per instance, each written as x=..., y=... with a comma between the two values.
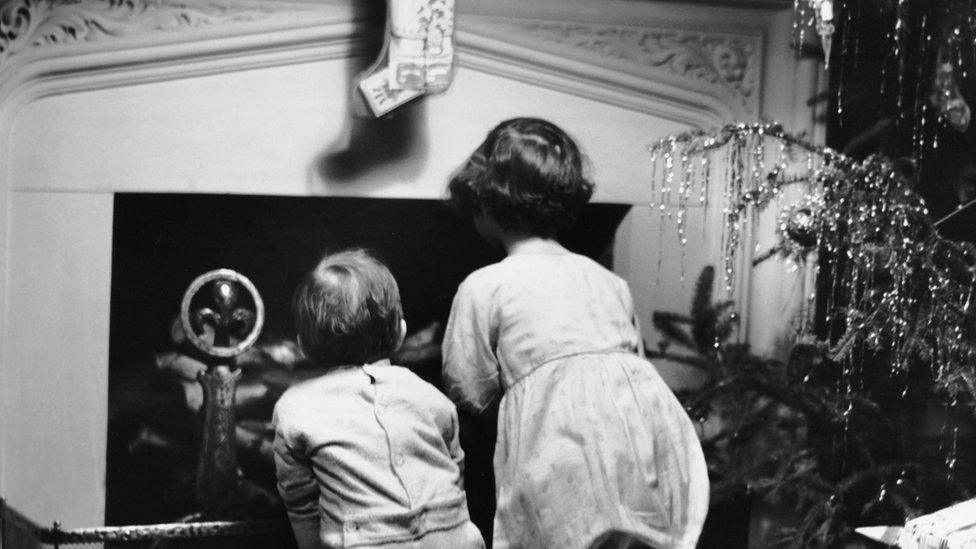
x=161, y=242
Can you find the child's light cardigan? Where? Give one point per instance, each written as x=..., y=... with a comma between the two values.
x=369, y=455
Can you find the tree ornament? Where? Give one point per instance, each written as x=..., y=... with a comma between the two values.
x=948, y=99
x=798, y=230
x=823, y=11
x=799, y=227
x=417, y=56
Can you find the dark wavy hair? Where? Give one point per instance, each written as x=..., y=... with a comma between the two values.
x=347, y=310
x=528, y=175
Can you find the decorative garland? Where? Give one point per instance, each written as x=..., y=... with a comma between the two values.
x=893, y=285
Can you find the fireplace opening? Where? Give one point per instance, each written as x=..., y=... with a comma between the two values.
x=162, y=242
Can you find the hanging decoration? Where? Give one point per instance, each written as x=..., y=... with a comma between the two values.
x=823, y=13
x=417, y=57
x=947, y=98
x=897, y=285
x=797, y=228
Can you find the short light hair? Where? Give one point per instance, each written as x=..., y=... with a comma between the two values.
x=347, y=310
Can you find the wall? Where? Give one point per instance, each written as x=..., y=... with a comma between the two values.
x=253, y=98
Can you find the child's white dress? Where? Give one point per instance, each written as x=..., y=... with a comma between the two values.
x=589, y=435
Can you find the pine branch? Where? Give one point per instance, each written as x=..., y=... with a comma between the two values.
x=667, y=324
x=845, y=345
x=695, y=361
x=701, y=301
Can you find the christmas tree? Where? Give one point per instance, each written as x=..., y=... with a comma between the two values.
x=790, y=431
x=841, y=428
x=869, y=419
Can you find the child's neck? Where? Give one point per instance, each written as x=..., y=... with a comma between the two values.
x=530, y=244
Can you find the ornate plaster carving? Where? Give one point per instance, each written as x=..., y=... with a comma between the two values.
x=28, y=24
x=725, y=60
x=721, y=68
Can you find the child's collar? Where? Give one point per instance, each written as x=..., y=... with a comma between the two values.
x=370, y=368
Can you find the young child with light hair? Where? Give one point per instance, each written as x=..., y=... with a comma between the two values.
x=367, y=454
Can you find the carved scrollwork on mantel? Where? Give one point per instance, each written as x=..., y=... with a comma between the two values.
x=29, y=24
x=729, y=61
x=720, y=69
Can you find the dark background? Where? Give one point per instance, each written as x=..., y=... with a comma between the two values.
x=876, y=98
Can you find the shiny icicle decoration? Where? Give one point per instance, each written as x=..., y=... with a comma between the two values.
x=823, y=21
x=900, y=54
x=921, y=104
x=797, y=26
x=897, y=285
x=845, y=40
x=823, y=12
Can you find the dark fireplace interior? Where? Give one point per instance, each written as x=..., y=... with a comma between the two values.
x=161, y=242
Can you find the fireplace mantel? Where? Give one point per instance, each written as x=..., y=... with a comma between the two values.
x=688, y=74
x=252, y=97
x=97, y=53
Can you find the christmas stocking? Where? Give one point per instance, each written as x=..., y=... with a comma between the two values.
x=417, y=56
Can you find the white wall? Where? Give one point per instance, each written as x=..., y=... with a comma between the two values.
x=258, y=105
x=270, y=133
x=55, y=379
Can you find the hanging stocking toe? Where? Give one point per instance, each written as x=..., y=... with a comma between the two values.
x=417, y=57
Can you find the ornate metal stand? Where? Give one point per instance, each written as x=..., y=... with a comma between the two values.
x=221, y=314
x=221, y=322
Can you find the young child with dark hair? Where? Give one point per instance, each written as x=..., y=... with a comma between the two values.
x=366, y=454
x=589, y=437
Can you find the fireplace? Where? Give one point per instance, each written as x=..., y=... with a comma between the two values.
x=161, y=242
x=122, y=118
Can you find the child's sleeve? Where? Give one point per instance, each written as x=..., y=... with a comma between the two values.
x=296, y=484
x=454, y=446
x=470, y=368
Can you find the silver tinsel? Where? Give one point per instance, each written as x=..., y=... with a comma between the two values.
x=895, y=283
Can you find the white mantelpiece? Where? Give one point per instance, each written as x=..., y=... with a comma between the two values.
x=252, y=97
